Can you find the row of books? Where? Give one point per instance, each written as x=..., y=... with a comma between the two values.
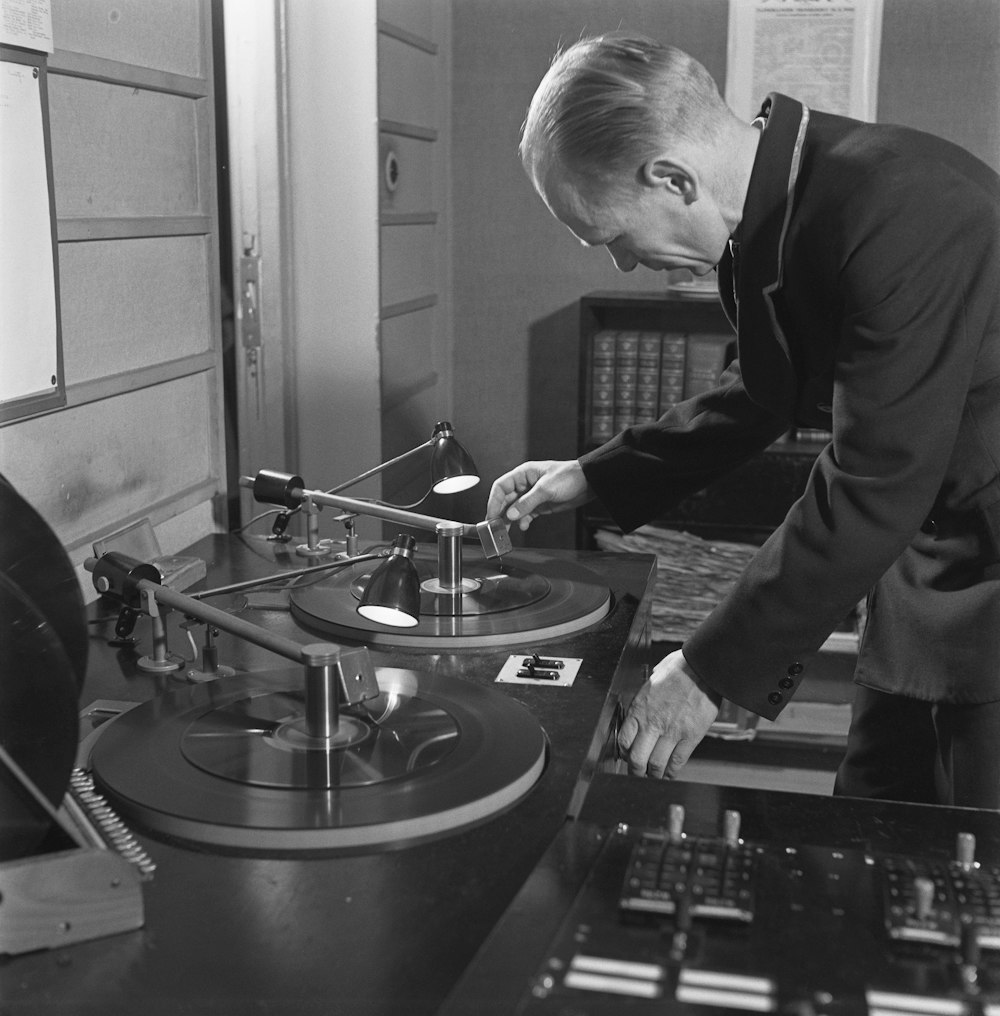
x=636, y=376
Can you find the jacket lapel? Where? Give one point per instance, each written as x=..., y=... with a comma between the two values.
x=765, y=354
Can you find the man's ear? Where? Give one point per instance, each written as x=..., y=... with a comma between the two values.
x=675, y=175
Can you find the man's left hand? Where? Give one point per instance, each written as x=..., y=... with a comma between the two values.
x=668, y=717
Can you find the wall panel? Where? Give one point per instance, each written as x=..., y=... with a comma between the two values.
x=120, y=321
x=115, y=458
x=131, y=112
x=118, y=150
x=409, y=263
x=406, y=82
x=412, y=402
x=408, y=358
x=164, y=36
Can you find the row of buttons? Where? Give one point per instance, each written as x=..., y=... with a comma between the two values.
x=785, y=683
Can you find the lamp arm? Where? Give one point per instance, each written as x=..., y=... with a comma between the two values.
x=333, y=674
x=379, y=468
x=492, y=533
x=259, y=636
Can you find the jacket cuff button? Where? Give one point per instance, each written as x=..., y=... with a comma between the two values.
x=786, y=682
x=795, y=669
x=775, y=697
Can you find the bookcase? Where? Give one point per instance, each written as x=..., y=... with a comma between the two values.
x=640, y=353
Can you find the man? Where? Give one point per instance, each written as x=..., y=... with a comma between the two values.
x=860, y=266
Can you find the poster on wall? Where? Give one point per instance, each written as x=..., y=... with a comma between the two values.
x=825, y=53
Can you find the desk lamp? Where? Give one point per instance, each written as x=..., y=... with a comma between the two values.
x=452, y=470
x=289, y=491
x=392, y=595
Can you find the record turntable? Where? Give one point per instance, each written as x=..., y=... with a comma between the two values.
x=339, y=755
x=460, y=595
x=453, y=586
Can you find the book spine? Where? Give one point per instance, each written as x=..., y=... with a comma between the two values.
x=673, y=354
x=707, y=357
x=626, y=377
x=647, y=387
x=602, y=387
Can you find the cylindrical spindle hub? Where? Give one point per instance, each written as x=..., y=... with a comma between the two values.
x=322, y=680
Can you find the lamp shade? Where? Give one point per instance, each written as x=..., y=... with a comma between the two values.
x=392, y=595
x=452, y=468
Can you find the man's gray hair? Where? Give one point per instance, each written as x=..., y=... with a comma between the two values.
x=609, y=102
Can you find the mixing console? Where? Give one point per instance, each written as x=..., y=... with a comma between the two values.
x=942, y=901
x=670, y=873
x=668, y=921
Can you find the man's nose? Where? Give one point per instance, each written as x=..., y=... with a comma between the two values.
x=624, y=260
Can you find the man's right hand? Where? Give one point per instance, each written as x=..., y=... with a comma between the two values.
x=538, y=488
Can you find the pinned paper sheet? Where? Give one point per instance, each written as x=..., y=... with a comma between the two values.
x=555, y=671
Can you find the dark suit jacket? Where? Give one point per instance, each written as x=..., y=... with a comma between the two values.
x=867, y=303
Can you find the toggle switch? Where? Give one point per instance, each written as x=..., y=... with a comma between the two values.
x=731, y=821
x=924, y=898
x=965, y=851
x=537, y=661
x=676, y=822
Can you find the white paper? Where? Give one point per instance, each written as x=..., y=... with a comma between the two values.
x=28, y=333
x=27, y=23
x=825, y=53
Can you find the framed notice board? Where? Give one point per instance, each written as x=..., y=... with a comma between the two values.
x=31, y=368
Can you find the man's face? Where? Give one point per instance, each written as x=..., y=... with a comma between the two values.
x=661, y=226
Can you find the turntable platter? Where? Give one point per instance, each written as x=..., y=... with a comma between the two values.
x=528, y=596
x=225, y=764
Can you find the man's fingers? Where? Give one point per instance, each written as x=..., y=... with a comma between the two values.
x=678, y=759
x=657, y=756
x=642, y=748
x=524, y=507
x=627, y=732
x=508, y=489
x=502, y=493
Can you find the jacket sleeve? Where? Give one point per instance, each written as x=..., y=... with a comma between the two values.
x=913, y=277
x=645, y=470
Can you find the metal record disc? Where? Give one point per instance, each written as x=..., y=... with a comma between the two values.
x=261, y=739
x=34, y=560
x=526, y=596
x=43, y=661
x=39, y=724
x=228, y=764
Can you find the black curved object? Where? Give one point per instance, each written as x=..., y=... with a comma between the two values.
x=43, y=660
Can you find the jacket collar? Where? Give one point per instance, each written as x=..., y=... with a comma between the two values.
x=768, y=373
